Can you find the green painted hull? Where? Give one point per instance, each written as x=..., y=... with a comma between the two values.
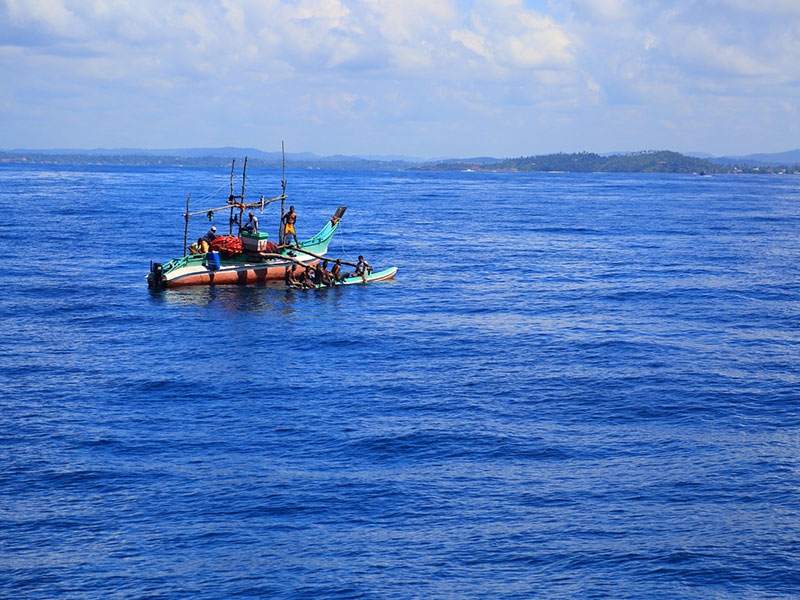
x=372, y=277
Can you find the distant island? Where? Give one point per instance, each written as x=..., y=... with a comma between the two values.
x=662, y=161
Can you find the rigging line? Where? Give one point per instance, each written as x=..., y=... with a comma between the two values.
x=212, y=193
x=341, y=238
x=252, y=182
x=259, y=192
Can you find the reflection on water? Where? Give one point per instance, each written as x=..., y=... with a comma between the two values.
x=255, y=298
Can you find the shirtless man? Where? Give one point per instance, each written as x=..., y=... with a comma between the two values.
x=305, y=279
x=321, y=275
x=290, y=219
x=199, y=247
x=289, y=277
x=336, y=271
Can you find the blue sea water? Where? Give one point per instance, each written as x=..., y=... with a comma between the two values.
x=578, y=386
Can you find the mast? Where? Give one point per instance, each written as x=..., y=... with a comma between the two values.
x=281, y=231
x=230, y=200
x=186, y=229
x=241, y=198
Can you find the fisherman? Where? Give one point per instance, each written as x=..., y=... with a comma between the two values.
x=305, y=279
x=290, y=219
x=336, y=271
x=211, y=235
x=199, y=247
x=252, y=223
x=289, y=277
x=321, y=275
x=362, y=269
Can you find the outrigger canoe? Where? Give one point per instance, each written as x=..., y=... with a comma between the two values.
x=371, y=278
x=211, y=269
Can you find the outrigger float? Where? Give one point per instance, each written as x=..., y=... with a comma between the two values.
x=251, y=258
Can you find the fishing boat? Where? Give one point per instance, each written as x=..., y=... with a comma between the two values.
x=248, y=266
x=248, y=257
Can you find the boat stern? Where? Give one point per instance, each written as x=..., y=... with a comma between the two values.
x=155, y=278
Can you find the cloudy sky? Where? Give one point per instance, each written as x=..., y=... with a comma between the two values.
x=426, y=78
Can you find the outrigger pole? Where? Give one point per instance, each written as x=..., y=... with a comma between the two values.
x=344, y=262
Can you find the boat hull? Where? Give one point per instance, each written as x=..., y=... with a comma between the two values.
x=231, y=274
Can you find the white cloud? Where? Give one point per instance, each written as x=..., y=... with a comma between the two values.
x=51, y=15
x=696, y=46
x=604, y=10
x=780, y=8
x=688, y=42
x=520, y=38
x=472, y=41
x=309, y=34
x=375, y=61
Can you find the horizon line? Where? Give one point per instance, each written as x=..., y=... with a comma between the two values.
x=373, y=156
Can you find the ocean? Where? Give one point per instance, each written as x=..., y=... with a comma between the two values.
x=577, y=386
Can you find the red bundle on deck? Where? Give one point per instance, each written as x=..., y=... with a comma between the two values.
x=226, y=245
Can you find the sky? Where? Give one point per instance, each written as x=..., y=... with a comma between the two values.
x=421, y=78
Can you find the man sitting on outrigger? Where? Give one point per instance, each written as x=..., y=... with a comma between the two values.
x=336, y=272
x=289, y=277
x=362, y=269
x=305, y=279
x=321, y=275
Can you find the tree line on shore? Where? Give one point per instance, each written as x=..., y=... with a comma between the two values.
x=663, y=161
